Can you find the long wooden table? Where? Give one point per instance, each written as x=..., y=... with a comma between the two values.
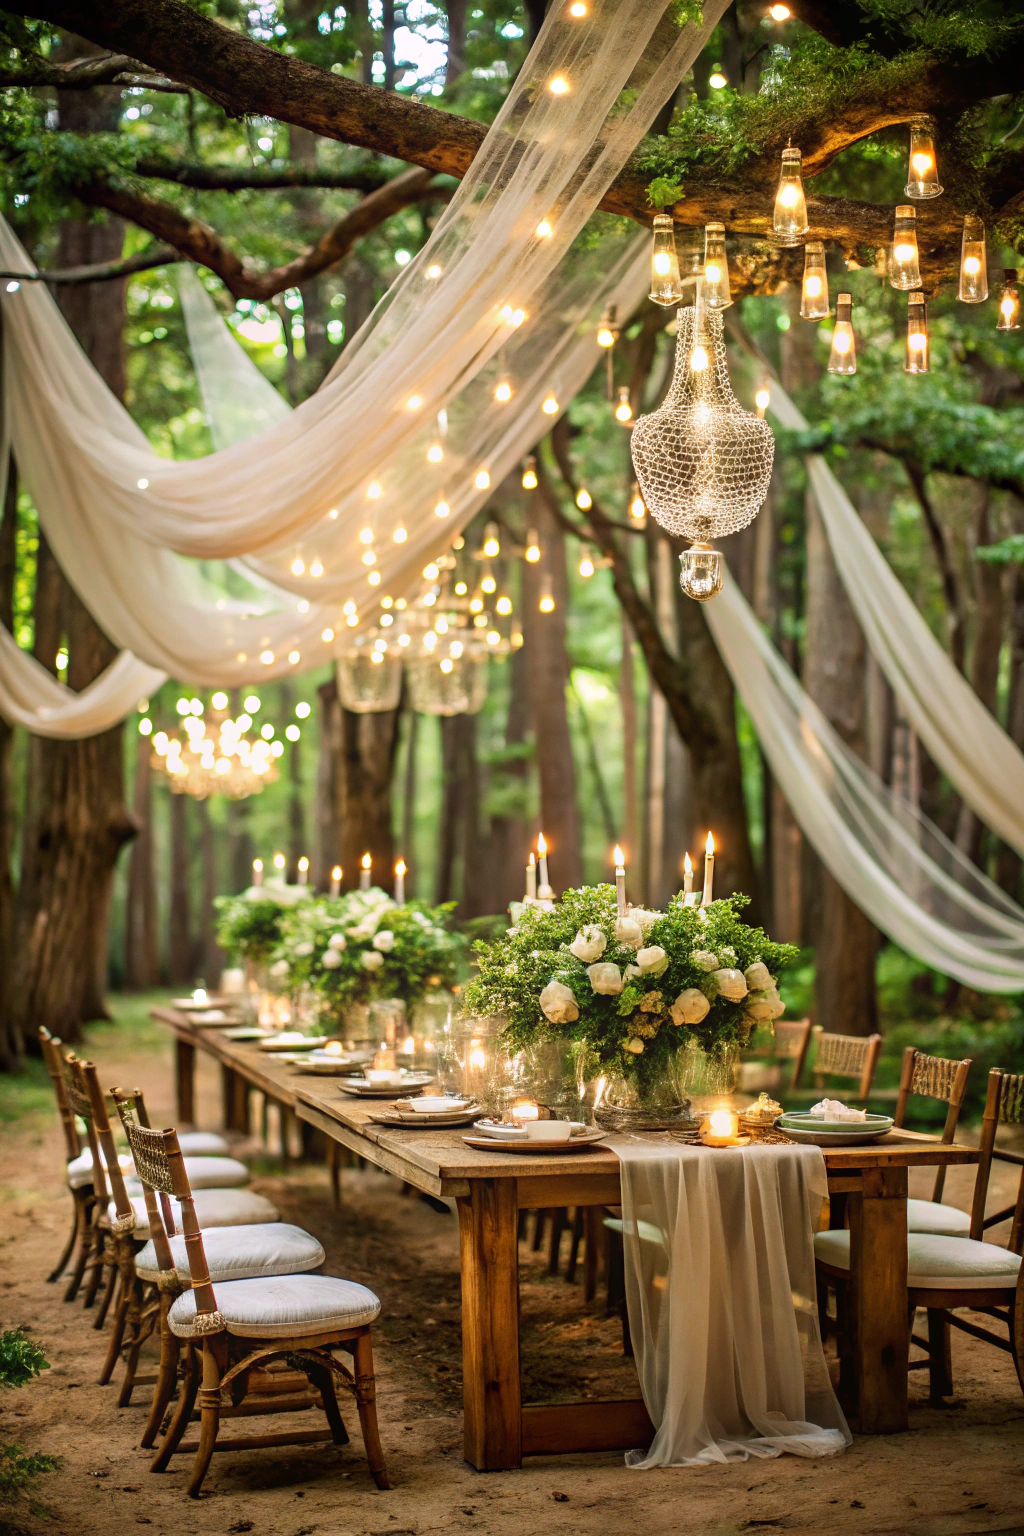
x=490, y=1188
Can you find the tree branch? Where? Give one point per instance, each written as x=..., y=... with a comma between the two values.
x=259, y=178
x=102, y=271
x=84, y=74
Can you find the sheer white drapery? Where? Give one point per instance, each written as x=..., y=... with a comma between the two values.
x=31, y=696
x=240, y=401
x=967, y=742
x=721, y=1296
x=908, y=878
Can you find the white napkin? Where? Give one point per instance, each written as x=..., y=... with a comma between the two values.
x=832, y=1109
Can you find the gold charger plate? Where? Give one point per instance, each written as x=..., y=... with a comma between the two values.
x=581, y=1143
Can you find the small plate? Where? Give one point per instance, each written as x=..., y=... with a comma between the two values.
x=850, y=1136
x=216, y=1019
x=189, y=1005
x=246, y=1032
x=803, y=1120
x=413, y=1082
x=580, y=1143
x=286, y=1041
x=440, y=1121
x=322, y=1065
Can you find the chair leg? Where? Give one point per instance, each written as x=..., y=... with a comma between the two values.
x=138, y=1332
x=940, y=1357
x=118, y=1328
x=182, y=1410
x=539, y=1223
x=109, y=1293
x=97, y=1259
x=170, y=1348
x=574, y=1245
x=323, y=1380
x=215, y=1354
x=591, y=1250
x=62, y=1262
x=84, y=1245
x=335, y=1171
x=615, y=1269
x=366, y=1399
x=558, y=1224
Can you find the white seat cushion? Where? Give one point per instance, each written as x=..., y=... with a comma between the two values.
x=238, y=1253
x=284, y=1307
x=940, y=1220
x=214, y=1208
x=206, y=1173
x=205, y=1144
x=937, y=1263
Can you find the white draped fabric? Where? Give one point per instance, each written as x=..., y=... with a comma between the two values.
x=895, y=864
x=981, y=761
x=32, y=697
x=721, y=1296
x=240, y=401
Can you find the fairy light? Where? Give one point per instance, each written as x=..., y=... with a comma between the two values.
x=666, y=288
x=922, y=168
x=492, y=544
x=698, y=359
x=530, y=474
x=543, y=230
x=369, y=558
x=503, y=606
x=374, y=578
x=435, y=453
x=267, y=658
x=549, y=405
x=916, y=360
x=1009, y=302
x=298, y=566
x=607, y=331
x=558, y=86
x=366, y=535
x=431, y=572
x=624, y=411
x=547, y=599
x=489, y=585
x=904, y=267
x=586, y=566
x=637, y=506
x=843, y=356
x=973, y=262
x=482, y=480
x=717, y=80
x=400, y=535
x=814, y=291
x=433, y=271
x=779, y=12
x=584, y=500
x=327, y=636
x=316, y=569
x=503, y=392
x=717, y=294
x=373, y=491
x=789, y=218
x=762, y=400
x=442, y=509
x=532, y=551
x=577, y=10
x=414, y=402
x=461, y=589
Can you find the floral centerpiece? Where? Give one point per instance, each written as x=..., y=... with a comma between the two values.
x=630, y=990
x=249, y=926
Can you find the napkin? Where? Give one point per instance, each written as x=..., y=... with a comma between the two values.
x=832, y=1109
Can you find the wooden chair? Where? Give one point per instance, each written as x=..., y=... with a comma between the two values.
x=948, y=1273
x=935, y=1077
x=235, y=1337
x=845, y=1056
x=790, y=1042
x=78, y=1174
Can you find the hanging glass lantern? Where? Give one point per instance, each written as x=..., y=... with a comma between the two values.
x=700, y=572
x=973, y=264
x=369, y=675
x=1009, y=302
x=904, y=268
x=917, y=335
x=814, y=293
x=789, y=219
x=716, y=268
x=448, y=680
x=665, y=285
x=843, y=356
x=703, y=463
x=922, y=169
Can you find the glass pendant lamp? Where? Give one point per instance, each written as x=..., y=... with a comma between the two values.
x=700, y=572
x=1009, y=302
x=666, y=288
x=904, y=267
x=973, y=263
x=789, y=219
x=814, y=293
x=843, y=356
x=916, y=360
x=716, y=268
x=922, y=169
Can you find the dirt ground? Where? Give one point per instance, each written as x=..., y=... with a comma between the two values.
x=959, y=1469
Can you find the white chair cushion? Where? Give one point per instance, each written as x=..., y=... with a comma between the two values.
x=940, y=1220
x=238, y=1253
x=283, y=1307
x=205, y=1144
x=214, y=1208
x=937, y=1263
x=206, y=1173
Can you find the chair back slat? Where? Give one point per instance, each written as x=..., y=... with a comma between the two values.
x=80, y=1103
x=89, y=1080
x=846, y=1056
x=160, y=1163
x=50, y=1048
x=131, y=1110
x=934, y=1077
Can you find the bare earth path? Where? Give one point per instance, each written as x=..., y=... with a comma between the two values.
x=960, y=1469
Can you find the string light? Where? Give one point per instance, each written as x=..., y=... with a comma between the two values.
x=431, y=572
x=577, y=9
x=584, y=500
x=327, y=636
x=442, y=509
x=973, y=262
x=814, y=293
x=532, y=551
x=779, y=12
x=789, y=218
x=374, y=491
x=316, y=569
x=492, y=544
x=607, y=331
x=414, y=402
x=433, y=271
x=904, y=268
x=916, y=360
x=298, y=566
x=489, y=585
x=303, y=603
x=698, y=359
x=435, y=453
x=482, y=480
x=366, y=535
x=400, y=535
x=922, y=170
x=374, y=578
x=530, y=474
x=503, y=606
x=716, y=79
x=559, y=86
x=543, y=230
x=762, y=400
x=637, y=506
x=549, y=405
x=586, y=563
x=843, y=356
x=461, y=589
x=624, y=411
x=716, y=268
x=369, y=558
x=547, y=600
x=666, y=288
x=1009, y=302
x=503, y=393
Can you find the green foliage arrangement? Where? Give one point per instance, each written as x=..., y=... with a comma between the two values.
x=21, y=1360
x=249, y=926
x=633, y=990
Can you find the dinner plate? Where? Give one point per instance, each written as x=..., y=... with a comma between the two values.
x=191, y=1006
x=289, y=1042
x=414, y=1082
x=803, y=1120
x=246, y=1032
x=852, y=1134
x=442, y=1120
x=579, y=1143
x=497, y=1130
x=319, y=1065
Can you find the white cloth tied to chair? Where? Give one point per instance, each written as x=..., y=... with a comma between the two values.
x=723, y=1311
x=240, y=1253
x=286, y=1306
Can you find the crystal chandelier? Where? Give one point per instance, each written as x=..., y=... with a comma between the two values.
x=702, y=461
x=216, y=758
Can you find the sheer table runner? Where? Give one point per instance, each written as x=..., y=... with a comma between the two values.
x=720, y=1289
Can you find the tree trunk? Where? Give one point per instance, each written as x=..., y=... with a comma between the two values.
x=510, y=830
x=456, y=61
x=10, y=1043
x=988, y=645
x=365, y=746
x=458, y=863
x=627, y=707
x=142, y=950
x=210, y=957
x=412, y=731
x=327, y=839
x=1008, y=862
x=179, y=944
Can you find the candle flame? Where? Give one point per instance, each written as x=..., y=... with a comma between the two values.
x=257, y=865
x=336, y=872
x=400, y=867
x=709, y=846
x=525, y=1111
x=279, y=861
x=720, y=1123
x=542, y=846
x=687, y=864
x=618, y=856
x=408, y=1046
x=367, y=862
x=303, y=862
x=531, y=861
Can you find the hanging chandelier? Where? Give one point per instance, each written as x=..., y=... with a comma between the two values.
x=369, y=673
x=216, y=758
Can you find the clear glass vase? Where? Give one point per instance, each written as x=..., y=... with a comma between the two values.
x=673, y=1098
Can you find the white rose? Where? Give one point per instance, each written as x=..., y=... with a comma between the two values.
x=558, y=1004
x=632, y=972
x=304, y=949
x=384, y=941
x=730, y=984
x=330, y=959
x=645, y=918
x=727, y=955
x=635, y=1046
x=758, y=978
x=279, y=968
x=589, y=944
x=605, y=978
x=372, y=960
x=337, y=941
x=690, y=1007
x=652, y=961
x=764, y=1005
x=628, y=931
x=704, y=960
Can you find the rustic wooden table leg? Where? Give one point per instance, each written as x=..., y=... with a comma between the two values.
x=185, y=1080
x=878, y=1299
x=492, y=1395
x=227, y=1096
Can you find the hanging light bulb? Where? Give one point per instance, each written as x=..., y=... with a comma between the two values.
x=503, y=392
x=1009, y=302
x=762, y=400
x=665, y=285
x=532, y=550
x=530, y=474
x=547, y=598
x=586, y=562
x=789, y=219
x=549, y=405
x=904, y=268
x=716, y=79
x=700, y=572
x=973, y=264
x=584, y=500
x=624, y=411
x=716, y=268
x=482, y=480
x=298, y=566
x=814, y=293
x=503, y=606
x=843, y=356
x=922, y=170
x=489, y=585
x=637, y=506
x=916, y=360
x=492, y=544
x=608, y=331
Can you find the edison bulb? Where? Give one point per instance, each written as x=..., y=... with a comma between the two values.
x=700, y=572
x=503, y=393
x=814, y=293
x=904, y=268
x=973, y=262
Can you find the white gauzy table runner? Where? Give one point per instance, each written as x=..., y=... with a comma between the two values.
x=721, y=1296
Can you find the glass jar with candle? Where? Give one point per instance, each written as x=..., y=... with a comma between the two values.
x=468, y=1059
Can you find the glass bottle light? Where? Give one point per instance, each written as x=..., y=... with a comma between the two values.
x=916, y=360
x=973, y=265
x=843, y=356
x=624, y=411
x=922, y=169
x=608, y=330
x=904, y=268
x=530, y=474
x=1009, y=302
x=700, y=572
x=789, y=220
x=716, y=268
x=665, y=285
x=814, y=293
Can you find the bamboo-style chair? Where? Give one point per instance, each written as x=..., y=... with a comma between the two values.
x=78, y=1173
x=948, y=1273
x=935, y=1077
x=233, y=1253
x=233, y=1339
x=790, y=1042
x=853, y=1056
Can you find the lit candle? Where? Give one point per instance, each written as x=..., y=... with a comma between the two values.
x=257, y=871
x=365, y=865
x=709, y=870
x=544, y=892
x=384, y=1077
x=303, y=871
x=199, y=995
x=333, y=1048
x=279, y=863
x=520, y=1113
x=531, y=877
x=400, y=883
x=336, y=880
x=687, y=873
x=620, y=879
x=721, y=1128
